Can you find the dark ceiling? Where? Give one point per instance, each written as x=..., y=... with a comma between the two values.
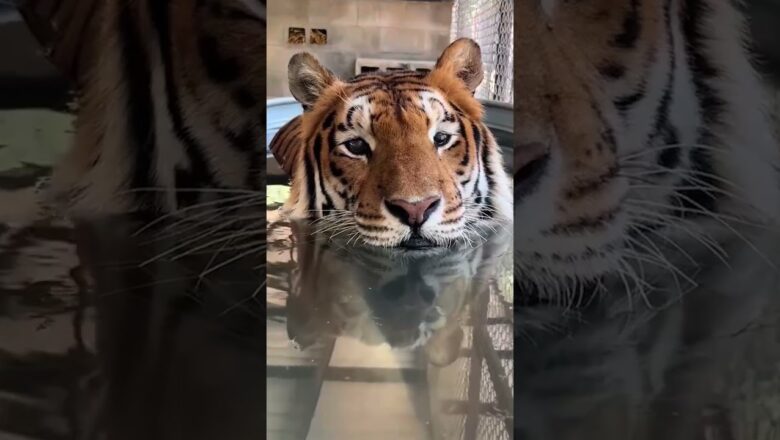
x=22, y=63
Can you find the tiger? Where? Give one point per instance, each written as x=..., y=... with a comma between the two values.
x=644, y=143
x=170, y=113
x=396, y=159
x=646, y=218
x=168, y=117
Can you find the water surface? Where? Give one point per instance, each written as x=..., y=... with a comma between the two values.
x=367, y=343
x=703, y=364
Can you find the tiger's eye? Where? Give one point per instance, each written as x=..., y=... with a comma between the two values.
x=358, y=147
x=441, y=139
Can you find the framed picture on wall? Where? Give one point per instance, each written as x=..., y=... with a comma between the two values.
x=296, y=35
x=318, y=36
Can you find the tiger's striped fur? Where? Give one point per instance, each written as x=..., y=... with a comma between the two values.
x=172, y=110
x=644, y=143
x=365, y=146
x=286, y=145
x=644, y=164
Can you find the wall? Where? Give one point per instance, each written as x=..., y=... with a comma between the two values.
x=369, y=28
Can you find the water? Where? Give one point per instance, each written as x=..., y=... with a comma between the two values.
x=703, y=365
x=103, y=332
x=381, y=344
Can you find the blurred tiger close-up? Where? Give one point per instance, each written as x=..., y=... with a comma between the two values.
x=646, y=203
x=646, y=207
x=645, y=147
x=167, y=119
x=170, y=100
x=169, y=106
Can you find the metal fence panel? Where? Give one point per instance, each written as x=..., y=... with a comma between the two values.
x=489, y=23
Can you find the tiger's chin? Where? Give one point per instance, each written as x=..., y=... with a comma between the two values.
x=616, y=271
x=412, y=241
x=424, y=240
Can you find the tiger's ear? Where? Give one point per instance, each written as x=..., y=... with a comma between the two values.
x=463, y=58
x=308, y=78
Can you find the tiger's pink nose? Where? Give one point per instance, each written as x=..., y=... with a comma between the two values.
x=413, y=214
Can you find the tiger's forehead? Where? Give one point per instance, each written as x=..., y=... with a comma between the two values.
x=418, y=99
x=389, y=77
x=392, y=87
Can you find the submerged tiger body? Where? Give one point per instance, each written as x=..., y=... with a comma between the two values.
x=401, y=158
x=170, y=111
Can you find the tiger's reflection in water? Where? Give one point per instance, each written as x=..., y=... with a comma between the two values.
x=380, y=296
x=702, y=366
x=176, y=350
x=435, y=326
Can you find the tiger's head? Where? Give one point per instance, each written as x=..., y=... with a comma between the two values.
x=641, y=143
x=399, y=158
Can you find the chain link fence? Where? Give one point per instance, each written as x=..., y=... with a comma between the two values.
x=489, y=23
x=483, y=404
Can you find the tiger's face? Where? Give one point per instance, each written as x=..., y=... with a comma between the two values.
x=640, y=136
x=567, y=191
x=398, y=159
